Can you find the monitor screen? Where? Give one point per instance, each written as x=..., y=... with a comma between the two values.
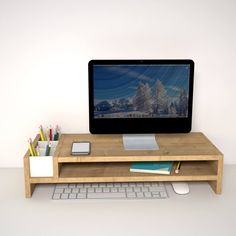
x=140, y=96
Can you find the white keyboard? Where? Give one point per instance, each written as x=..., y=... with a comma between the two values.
x=143, y=190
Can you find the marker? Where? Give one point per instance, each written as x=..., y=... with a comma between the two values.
x=56, y=135
x=48, y=147
x=177, y=169
x=50, y=133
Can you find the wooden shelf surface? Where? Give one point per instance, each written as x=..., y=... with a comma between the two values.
x=108, y=172
x=109, y=148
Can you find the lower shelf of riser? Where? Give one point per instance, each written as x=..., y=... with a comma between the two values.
x=115, y=172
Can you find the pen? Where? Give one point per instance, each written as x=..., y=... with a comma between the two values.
x=177, y=169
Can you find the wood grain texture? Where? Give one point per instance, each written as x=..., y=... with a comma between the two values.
x=109, y=162
x=189, y=171
x=109, y=148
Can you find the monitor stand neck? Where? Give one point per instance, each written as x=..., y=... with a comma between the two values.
x=140, y=142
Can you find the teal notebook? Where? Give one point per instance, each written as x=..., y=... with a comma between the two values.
x=155, y=167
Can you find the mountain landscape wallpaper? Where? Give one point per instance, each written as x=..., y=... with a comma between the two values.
x=141, y=91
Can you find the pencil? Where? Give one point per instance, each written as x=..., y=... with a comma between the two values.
x=42, y=136
x=30, y=149
x=177, y=169
x=37, y=150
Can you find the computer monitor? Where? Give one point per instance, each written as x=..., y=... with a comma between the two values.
x=140, y=96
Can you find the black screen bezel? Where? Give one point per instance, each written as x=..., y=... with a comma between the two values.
x=139, y=125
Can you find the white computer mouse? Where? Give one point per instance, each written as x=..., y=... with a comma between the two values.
x=180, y=187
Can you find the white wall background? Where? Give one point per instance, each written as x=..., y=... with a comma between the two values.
x=45, y=46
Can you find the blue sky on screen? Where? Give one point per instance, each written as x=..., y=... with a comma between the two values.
x=121, y=81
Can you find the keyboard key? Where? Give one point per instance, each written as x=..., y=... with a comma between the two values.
x=62, y=186
x=155, y=189
x=56, y=196
x=98, y=190
x=106, y=195
x=155, y=194
x=124, y=185
x=72, y=196
x=131, y=195
x=144, y=189
x=137, y=189
x=114, y=190
x=147, y=195
x=129, y=190
x=79, y=185
x=140, y=195
x=64, y=196
x=102, y=185
x=110, y=185
x=90, y=190
x=121, y=190
x=72, y=185
x=67, y=190
x=163, y=195
x=59, y=190
x=81, y=195
x=75, y=190
x=106, y=190
x=139, y=184
x=94, y=185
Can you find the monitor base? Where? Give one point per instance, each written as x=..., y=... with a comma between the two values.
x=140, y=142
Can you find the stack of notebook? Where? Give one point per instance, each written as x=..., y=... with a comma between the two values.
x=155, y=167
